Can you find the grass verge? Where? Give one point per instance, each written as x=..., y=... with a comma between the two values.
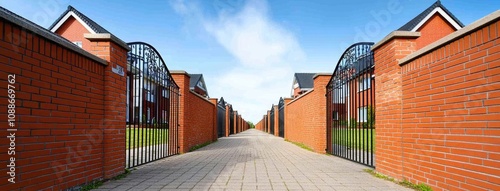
x=301, y=145
x=405, y=183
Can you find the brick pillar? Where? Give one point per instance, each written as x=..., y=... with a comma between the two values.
x=320, y=82
x=268, y=121
x=276, y=121
x=388, y=96
x=287, y=101
x=182, y=78
x=215, y=129
x=228, y=121
x=114, y=131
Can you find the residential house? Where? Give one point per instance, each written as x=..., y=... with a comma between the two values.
x=197, y=85
x=302, y=82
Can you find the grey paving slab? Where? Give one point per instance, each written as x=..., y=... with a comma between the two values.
x=251, y=160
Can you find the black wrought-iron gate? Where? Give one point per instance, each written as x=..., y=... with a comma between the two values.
x=231, y=120
x=281, y=118
x=152, y=107
x=271, y=125
x=351, y=106
x=221, y=118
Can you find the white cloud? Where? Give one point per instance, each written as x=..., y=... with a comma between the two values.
x=265, y=52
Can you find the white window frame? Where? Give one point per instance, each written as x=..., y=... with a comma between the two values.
x=364, y=83
x=335, y=115
x=150, y=91
x=362, y=112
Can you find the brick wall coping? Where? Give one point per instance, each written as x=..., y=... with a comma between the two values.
x=395, y=34
x=302, y=95
x=452, y=37
x=36, y=29
x=107, y=36
x=178, y=72
x=201, y=97
x=322, y=74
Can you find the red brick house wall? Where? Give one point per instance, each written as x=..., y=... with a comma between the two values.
x=73, y=31
x=197, y=117
x=434, y=29
x=68, y=110
x=438, y=110
x=305, y=116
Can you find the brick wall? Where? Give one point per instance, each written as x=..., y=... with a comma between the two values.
x=62, y=118
x=305, y=116
x=438, y=109
x=197, y=116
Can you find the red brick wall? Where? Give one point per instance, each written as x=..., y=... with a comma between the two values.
x=197, y=117
x=434, y=29
x=388, y=105
x=61, y=116
x=305, y=116
x=438, y=116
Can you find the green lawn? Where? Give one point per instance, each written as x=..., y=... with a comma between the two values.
x=141, y=137
x=354, y=138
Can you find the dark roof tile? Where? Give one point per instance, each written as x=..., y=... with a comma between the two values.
x=92, y=24
x=414, y=22
x=305, y=80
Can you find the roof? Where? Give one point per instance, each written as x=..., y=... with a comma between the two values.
x=37, y=29
x=413, y=24
x=305, y=80
x=89, y=24
x=195, y=78
x=92, y=24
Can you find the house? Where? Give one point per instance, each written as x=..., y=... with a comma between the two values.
x=197, y=85
x=433, y=24
x=302, y=82
x=147, y=89
x=353, y=87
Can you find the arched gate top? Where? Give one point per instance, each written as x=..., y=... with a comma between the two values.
x=142, y=54
x=356, y=59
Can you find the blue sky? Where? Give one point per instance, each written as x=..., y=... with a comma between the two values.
x=248, y=50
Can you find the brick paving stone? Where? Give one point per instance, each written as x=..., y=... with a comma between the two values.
x=251, y=160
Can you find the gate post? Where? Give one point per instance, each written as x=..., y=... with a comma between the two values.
x=276, y=121
x=388, y=93
x=114, y=51
x=182, y=78
x=228, y=121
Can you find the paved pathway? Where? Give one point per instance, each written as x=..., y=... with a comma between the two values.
x=251, y=160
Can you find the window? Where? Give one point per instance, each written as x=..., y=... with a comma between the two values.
x=164, y=116
x=335, y=115
x=340, y=94
x=364, y=83
x=362, y=114
x=165, y=93
x=200, y=85
x=78, y=43
x=149, y=88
